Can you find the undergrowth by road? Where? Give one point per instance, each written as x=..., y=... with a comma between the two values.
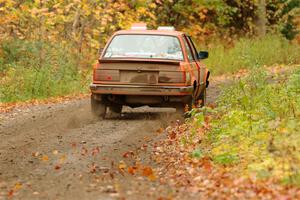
x=255, y=126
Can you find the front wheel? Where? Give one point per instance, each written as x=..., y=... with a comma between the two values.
x=98, y=108
x=202, y=98
x=184, y=108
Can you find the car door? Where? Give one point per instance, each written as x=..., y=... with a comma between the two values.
x=195, y=67
x=201, y=67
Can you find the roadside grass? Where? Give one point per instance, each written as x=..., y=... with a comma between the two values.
x=248, y=52
x=38, y=70
x=255, y=126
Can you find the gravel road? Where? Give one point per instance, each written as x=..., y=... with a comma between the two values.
x=60, y=151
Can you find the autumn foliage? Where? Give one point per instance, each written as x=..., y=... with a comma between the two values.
x=49, y=46
x=88, y=23
x=245, y=146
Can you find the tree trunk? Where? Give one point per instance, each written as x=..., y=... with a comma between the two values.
x=261, y=18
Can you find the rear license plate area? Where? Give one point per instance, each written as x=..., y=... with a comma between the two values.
x=140, y=77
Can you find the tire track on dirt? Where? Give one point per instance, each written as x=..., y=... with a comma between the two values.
x=47, y=149
x=29, y=138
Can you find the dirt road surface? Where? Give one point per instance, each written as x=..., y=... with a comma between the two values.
x=61, y=151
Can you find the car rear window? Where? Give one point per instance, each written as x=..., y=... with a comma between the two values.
x=144, y=46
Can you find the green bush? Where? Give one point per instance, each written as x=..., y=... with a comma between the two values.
x=225, y=159
x=246, y=53
x=34, y=70
x=256, y=126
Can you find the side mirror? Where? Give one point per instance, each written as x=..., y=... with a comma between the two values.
x=203, y=55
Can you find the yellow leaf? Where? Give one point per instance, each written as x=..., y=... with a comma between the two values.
x=18, y=186
x=152, y=5
x=62, y=158
x=152, y=177
x=122, y=165
x=45, y=158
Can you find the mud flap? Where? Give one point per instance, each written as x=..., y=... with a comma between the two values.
x=207, y=81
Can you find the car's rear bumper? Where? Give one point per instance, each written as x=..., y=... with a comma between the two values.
x=141, y=90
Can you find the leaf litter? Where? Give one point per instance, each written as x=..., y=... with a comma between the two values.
x=174, y=162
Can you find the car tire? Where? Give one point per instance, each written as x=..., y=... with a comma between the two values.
x=116, y=108
x=98, y=108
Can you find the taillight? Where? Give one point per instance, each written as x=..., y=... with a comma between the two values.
x=96, y=66
x=106, y=75
x=171, y=77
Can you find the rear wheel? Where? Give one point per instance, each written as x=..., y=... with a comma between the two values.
x=98, y=108
x=116, y=108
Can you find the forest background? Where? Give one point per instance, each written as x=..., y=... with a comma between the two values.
x=48, y=47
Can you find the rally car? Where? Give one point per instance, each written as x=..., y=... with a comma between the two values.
x=158, y=68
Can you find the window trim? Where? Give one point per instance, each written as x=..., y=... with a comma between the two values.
x=108, y=44
x=188, y=48
x=194, y=47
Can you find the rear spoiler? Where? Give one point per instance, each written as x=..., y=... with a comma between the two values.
x=152, y=61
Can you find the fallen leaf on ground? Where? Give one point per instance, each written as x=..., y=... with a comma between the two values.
x=172, y=135
x=10, y=194
x=94, y=168
x=147, y=171
x=95, y=151
x=45, y=158
x=152, y=177
x=35, y=154
x=62, y=158
x=131, y=170
x=127, y=154
x=73, y=144
x=84, y=151
x=122, y=165
x=160, y=130
x=18, y=186
x=57, y=167
x=206, y=164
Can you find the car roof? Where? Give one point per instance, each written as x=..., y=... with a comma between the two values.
x=150, y=32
